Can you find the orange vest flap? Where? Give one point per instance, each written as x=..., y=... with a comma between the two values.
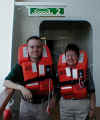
x=83, y=59
x=22, y=54
x=46, y=55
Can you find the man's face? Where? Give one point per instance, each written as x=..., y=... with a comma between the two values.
x=35, y=48
x=71, y=58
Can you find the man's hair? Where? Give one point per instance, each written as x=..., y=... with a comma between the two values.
x=33, y=37
x=72, y=47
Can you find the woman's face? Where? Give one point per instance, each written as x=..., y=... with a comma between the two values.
x=71, y=58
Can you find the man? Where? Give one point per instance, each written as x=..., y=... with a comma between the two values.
x=76, y=85
x=32, y=76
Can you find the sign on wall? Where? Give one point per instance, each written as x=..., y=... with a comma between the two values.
x=46, y=11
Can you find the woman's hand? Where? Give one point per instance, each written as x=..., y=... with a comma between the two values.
x=92, y=114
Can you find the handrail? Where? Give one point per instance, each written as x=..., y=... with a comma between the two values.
x=5, y=96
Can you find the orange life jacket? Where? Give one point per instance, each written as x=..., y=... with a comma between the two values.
x=73, y=80
x=36, y=76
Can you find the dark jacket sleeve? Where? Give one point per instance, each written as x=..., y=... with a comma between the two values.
x=90, y=85
x=15, y=75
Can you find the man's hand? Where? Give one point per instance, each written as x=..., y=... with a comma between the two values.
x=25, y=92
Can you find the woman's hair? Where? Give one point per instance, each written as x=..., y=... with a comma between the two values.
x=72, y=47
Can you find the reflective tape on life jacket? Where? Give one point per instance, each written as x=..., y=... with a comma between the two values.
x=33, y=73
x=73, y=79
